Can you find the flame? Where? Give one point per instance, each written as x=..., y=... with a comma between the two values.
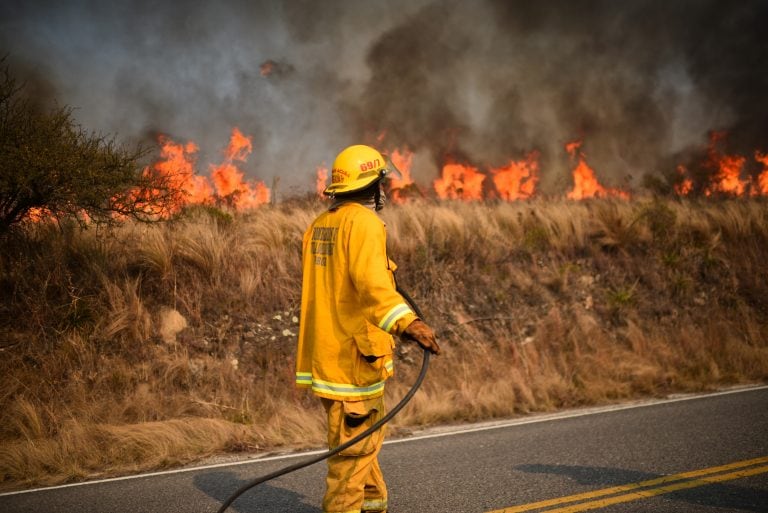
x=37, y=214
x=585, y=184
x=518, y=179
x=459, y=181
x=514, y=181
x=321, y=180
x=399, y=188
x=403, y=160
x=726, y=173
x=726, y=177
x=228, y=179
x=685, y=185
x=178, y=165
x=176, y=169
x=573, y=147
x=762, y=179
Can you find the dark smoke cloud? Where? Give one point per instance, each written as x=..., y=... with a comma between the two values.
x=641, y=81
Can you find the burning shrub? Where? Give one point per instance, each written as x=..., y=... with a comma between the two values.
x=52, y=168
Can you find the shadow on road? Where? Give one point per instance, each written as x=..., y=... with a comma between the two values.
x=729, y=496
x=260, y=499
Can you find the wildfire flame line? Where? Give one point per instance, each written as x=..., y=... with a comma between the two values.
x=762, y=178
x=585, y=184
x=459, y=181
x=725, y=173
x=226, y=184
x=517, y=180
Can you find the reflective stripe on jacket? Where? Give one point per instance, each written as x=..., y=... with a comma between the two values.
x=349, y=306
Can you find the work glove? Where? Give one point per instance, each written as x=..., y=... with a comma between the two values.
x=423, y=335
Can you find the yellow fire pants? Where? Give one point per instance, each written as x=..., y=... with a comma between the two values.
x=354, y=482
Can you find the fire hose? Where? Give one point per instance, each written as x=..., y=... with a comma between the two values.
x=320, y=457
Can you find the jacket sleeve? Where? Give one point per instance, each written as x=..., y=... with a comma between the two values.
x=370, y=274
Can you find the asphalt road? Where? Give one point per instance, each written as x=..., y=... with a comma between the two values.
x=631, y=456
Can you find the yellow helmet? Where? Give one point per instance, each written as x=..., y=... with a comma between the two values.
x=355, y=168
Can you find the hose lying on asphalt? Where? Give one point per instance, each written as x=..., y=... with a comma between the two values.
x=320, y=457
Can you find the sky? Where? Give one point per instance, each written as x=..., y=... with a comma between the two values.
x=641, y=82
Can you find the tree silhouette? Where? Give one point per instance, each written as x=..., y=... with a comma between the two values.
x=51, y=167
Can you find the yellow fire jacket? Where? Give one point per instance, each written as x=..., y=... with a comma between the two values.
x=349, y=306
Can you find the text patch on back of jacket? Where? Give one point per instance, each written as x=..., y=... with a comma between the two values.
x=323, y=242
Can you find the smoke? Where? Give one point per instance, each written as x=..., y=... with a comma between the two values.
x=640, y=81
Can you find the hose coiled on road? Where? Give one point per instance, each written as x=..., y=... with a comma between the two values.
x=320, y=457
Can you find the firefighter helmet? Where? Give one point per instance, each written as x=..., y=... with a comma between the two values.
x=355, y=168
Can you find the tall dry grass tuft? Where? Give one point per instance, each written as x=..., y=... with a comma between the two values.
x=149, y=346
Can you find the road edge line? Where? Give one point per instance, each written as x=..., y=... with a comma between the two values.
x=568, y=414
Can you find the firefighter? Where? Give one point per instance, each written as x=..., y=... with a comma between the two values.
x=350, y=311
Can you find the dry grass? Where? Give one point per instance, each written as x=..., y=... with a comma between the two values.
x=155, y=345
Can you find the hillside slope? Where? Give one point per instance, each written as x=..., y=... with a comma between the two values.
x=149, y=346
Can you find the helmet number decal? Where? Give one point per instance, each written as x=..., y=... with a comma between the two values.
x=370, y=165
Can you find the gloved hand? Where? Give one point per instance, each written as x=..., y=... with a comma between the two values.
x=422, y=334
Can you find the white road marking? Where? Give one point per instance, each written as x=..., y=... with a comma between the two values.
x=437, y=432
x=569, y=414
